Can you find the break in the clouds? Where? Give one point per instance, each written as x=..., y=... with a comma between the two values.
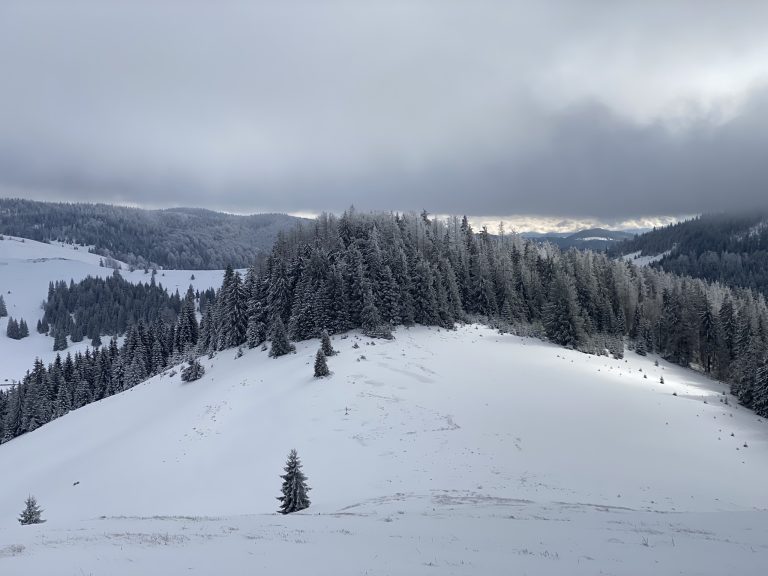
x=596, y=111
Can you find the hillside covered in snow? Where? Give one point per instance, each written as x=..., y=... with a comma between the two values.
x=27, y=267
x=438, y=452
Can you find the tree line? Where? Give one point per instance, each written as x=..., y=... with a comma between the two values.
x=179, y=238
x=377, y=271
x=728, y=248
x=98, y=306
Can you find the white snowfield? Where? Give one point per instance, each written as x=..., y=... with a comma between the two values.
x=638, y=260
x=26, y=268
x=462, y=452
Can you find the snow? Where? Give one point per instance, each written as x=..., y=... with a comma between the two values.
x=26, y=268
x=638, y=260
x=463, y=452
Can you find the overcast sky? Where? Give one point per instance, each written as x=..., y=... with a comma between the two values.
x=590, y=111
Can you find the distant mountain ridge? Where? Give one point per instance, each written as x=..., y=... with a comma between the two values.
x=591, y=238
x=180, y=238
x=729, y=248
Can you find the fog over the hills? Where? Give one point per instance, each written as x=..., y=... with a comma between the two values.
x=597, y=112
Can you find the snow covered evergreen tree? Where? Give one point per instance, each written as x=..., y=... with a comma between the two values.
x=59, y=341
x=280, y=344
x=3, y=309
x=12, y=329
x=32, y=513
x=294, y=497
x=321, y=366
x=325, y=344
x=193, y=372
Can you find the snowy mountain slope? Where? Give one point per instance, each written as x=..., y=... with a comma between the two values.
x=26, y=268
x=463, y=452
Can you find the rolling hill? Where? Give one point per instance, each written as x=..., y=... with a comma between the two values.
x=438, y=452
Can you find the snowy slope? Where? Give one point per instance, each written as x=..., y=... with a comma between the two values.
x=638, y=260
x=26, y=268
x=463, y=452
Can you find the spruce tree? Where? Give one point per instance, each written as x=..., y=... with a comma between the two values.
x=12, y=330
x=32, y=513
x=640, y=347
x=280, y=344
x=370, y=319
x=294, y=497
x=193, y=372
x=59, y=341
x=321, y=366
x=3, y=309
x=325, y=344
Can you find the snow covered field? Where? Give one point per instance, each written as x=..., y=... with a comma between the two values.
x=462, y=452
x=638, y=260
x=26, y=268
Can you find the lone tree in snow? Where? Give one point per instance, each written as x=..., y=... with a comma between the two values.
x=321, y=366
x=3, y=309
x=325, y=344
x=32, y=513
x=280, y=344
x=295, y=487
x=193, y=372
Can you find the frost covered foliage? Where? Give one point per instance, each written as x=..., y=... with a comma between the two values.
x=193, y=372
x=46, y=393
x=294, y=497
x=179, y=238
x=321, y=365
x=96, y=306
x=377, y=271
x=728, y=248
x=32, y=514
x=325, y=344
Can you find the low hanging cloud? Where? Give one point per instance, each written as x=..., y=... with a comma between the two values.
x=568, y=109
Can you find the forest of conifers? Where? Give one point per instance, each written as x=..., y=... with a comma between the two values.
x=378, y=271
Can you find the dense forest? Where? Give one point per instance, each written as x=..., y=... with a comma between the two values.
x=178, y=238
x=96, y=306
x=377, y=271
x=732, y=249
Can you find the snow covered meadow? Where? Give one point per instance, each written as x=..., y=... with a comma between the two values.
x=26, y=268
x=439, y=452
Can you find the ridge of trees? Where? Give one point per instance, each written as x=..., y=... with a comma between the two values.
x=180, y=238
x=95, y=307
x=727, y=248
x=376, y=271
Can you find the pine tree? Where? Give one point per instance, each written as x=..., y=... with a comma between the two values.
x=280, y=344
x=325, y=344
x=193, y=372
x=59, y=341
x=3, y=309
x=370, y=319
x=640, y=347
x=295, y=487
x=560, y=314
x=32, y=513
x=12, y=330
x=321, y=366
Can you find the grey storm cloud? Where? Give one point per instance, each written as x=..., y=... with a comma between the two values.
x=608, y=110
